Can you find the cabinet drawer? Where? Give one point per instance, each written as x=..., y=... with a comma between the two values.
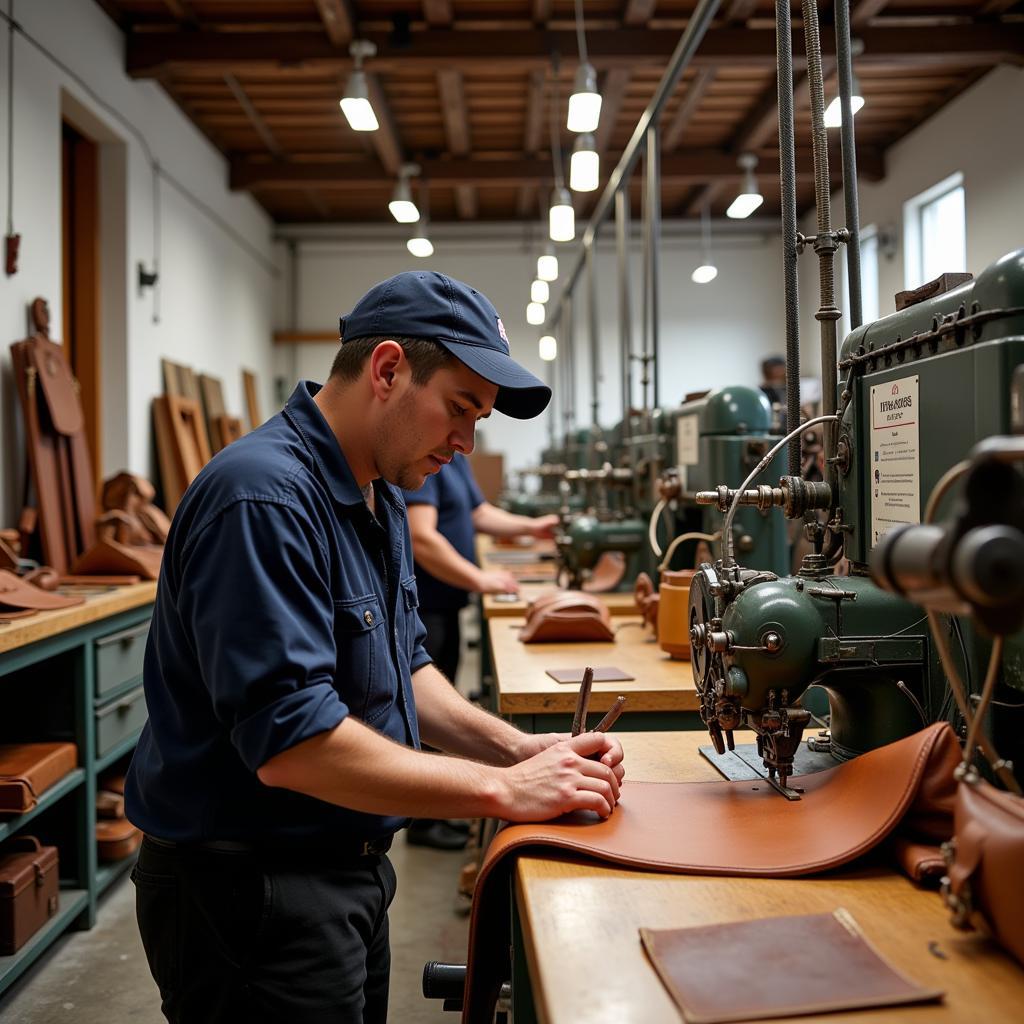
x=121, y=718
x=119, y=658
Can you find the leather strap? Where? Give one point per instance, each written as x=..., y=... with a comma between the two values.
x=722, y=828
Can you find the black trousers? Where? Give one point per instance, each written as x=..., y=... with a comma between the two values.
x=256, y=938
x=443, y=639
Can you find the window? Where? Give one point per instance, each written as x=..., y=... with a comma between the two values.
x=935, y=232
x=868, y=280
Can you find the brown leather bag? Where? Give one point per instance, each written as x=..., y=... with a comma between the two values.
x=27, y=770
x=29, y=894
x=568, y=616
x=984, y=861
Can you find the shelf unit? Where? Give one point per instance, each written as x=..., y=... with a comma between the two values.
x=54, y=655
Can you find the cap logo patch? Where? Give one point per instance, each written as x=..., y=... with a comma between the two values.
x=501, y=333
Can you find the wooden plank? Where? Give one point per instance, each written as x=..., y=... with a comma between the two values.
x=437, y=12
x=148, y=53
x=250, y=386
x=258, y=123
x=523, y=687
x=97, y=606
x=339, y=20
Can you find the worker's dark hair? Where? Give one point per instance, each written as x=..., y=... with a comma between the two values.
x=425, y=357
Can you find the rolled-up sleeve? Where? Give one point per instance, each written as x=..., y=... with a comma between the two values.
x=255, y=595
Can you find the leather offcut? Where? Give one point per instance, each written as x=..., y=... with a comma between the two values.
x=726, y=828
x=565, y=617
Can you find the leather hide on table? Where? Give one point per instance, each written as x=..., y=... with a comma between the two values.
x=727, y=828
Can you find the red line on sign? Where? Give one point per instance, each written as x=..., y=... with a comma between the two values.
x=893, y=426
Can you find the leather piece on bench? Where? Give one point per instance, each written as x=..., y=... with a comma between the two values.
x=820, y=963
x=608, y=573
x=725, y=828
x=25, y=597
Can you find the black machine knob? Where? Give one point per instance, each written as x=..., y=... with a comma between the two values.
x=444, y=981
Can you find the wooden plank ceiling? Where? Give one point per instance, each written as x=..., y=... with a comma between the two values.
x=464, y=87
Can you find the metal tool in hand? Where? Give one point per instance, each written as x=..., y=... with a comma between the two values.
x=579, y=719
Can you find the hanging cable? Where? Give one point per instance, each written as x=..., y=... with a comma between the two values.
x=581, y=39
x=556, y=144
x=11, y=239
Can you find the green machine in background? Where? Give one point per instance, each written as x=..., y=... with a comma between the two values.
x=918, y=390
x=722, y=436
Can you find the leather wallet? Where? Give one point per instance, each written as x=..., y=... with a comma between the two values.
x=820, y=963
x=608, y=674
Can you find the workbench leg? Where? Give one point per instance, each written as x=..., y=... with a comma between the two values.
x=85, y=734
x=523, y=1011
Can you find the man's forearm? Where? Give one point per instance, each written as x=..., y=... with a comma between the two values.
x=356, y=767
x=450, y=722
x=490, y=519
x=443, y=562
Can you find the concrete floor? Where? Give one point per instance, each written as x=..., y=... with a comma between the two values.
x=101, y=976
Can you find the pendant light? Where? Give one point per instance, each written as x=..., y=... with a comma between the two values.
x=402, y=207
x=420, y=245
x=750, y=197
x=585, y=101
x=355, y=104
x=584, y=165
x=561, y=217
x=707, y=271
x=547, y=348
x=547, y=264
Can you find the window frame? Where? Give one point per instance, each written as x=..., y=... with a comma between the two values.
x=913, y=227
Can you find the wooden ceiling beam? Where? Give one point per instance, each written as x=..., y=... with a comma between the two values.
x=533, y=137
x=261, y=126
x=437, y=12
x=150, y=53
x=739, y=11
x=456, y=130
x=385, y=139
x=339, y=20
x=541, y=13
x=693, y=167
x=864, y=10
x=638, y=12
x=613, y=92
x=182, y=11
x=691, y=101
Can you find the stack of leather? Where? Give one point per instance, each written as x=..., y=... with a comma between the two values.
x=116, y=836
x=71, y=538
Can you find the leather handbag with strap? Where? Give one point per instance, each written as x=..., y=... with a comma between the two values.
x=567, y=617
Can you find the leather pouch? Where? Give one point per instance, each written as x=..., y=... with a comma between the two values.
x=821, y=963
x=984, y=878
x=27, y=770
x=28, y=890
x=567, y=617
x=116, y=839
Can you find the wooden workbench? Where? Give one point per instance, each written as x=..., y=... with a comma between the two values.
x=662, y=696
x=495, y=606
x=100, y=603
x=578, y=923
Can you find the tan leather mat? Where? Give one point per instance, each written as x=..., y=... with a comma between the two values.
x=727, y=828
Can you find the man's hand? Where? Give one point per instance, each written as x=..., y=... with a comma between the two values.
x=497, y=582
x=610, y=754
x=543, y=527
x=561, y=779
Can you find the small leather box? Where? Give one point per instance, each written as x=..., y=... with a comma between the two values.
x=28, y=890
x=28, y=769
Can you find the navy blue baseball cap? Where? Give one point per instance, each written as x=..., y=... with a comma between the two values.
x=426, y=304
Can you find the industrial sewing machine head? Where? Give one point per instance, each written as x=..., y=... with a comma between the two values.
x=920, y=388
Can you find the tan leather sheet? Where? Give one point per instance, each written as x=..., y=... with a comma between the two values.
x=727, y=828
x=18, y=597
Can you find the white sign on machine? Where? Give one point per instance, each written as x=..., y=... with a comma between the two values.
x=895, y=470
x=687, y=444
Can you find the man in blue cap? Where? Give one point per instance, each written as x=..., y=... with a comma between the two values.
x=288, y=686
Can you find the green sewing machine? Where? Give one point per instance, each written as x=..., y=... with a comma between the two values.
x=917, y=391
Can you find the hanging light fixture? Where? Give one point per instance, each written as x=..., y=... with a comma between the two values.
x=750, y=197
x=355, y=104
x=585, y=101
x=561, y=218
x=535, y=314
x=834, y=111
x=707, y=271
x=402, y=207
x=420, y=245
x=547, y=264
x=547, y=347
x=539, y=291
x=585, y=164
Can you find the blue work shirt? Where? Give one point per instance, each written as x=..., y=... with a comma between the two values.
x=453, y=491
x=283, y=606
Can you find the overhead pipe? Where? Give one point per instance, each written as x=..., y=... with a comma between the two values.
x=622, y=233
x=844, y=55
x=595, y=340
x=652, y=232
x=787, y=183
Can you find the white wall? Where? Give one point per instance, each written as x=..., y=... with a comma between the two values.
x=977, y=134
x=710, y=334
x=217, y=289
